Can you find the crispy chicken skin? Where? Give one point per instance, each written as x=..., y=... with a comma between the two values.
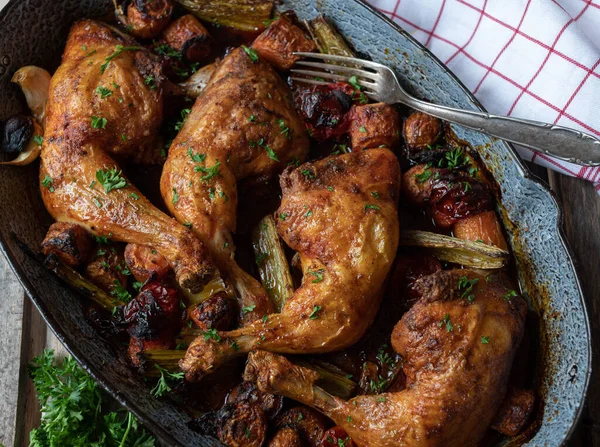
x=243, y=126
x=340, y=214
x=457, y=358
x=74, y=150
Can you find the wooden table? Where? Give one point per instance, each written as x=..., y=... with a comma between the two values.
x=24, y=335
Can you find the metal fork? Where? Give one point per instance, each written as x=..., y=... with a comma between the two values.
x=381, y=84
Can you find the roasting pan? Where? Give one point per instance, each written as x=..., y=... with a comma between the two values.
x=33, y=32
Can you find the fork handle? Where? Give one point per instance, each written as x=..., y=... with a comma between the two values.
x=557, y=141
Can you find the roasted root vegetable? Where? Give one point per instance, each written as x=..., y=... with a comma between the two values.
x=327, y=38
x=422, y=131
x=270, y=404
x=82, y=285
x=458, y=251
x=145, y=262
x=35, y=84
x=69, y=242
x=515, y=411
x=483, y=227
x=243, y=15
x=108, y=270
x=144, y=18
x=218, y=312
x=272, y=263
x=279, y=41
x=286, y=437
x=22, y=136
x=310, y=424
x=374, y=125
x=189, y=37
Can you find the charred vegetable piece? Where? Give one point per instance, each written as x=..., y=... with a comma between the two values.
x=287, y=437
x=215, y=286
x=243, y=15
x=218, y=312
x=457, y=251
x=272, y=263
x=422, y=131
x=144, y=262
x=195, y=84
x=336, y=437
x=325, y=108
x=327, y=38
x=279, y=41
x=22, y=136
x=242, y=424
x=145, y=18
x=515, y=411
x=270, y=404
x=309, y=423
x=189, y=37
x=35, y=84
x=137, y=346
x=456, y=195
x=82, y=285
x=417, y=184
x=374, y=125
x=167, y=359
x=331, y=378
x=484, y=227
x=69, y=242
x=108, y=270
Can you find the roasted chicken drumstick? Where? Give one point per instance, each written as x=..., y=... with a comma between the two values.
x=340, y=214
x=458, y=344
x=243, y=126
x=106, y=99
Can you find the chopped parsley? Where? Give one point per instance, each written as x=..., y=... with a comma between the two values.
x=211, y=334
x=252, y=54
x=98, y=122
x=283, y=216
x=103, y=92
x=38, y=139
x=150, y=81
x=363, y=129
x=210, y=172
x=315, y=312
x=375, y=194
x=318, y=274
x=485, y=340
x=167, y=50
x=175, y=197
x=370, y=206
x=307, y=173
x=234, y=345
x=265, y=318
x=308, y=213
x=511, y=293
x=423, y=176
x=118, y=50
x=198, y=158
x=285, y=130
x=453, y=159
x=446, y=321
x=162, y=386
x=47, y=182
x=111, y=179
x=248, y=309
x=183, y=114
x=117, y=290
x=465, y=288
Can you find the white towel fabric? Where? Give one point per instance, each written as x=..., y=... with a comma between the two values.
x=536, y=59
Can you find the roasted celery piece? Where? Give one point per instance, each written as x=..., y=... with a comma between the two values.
x=79, y=283
x=458, y=251
x=332, y=379
x=327, y=38
x=166, y=359
x=244, y=15
x=272, y=263
x=214, y=286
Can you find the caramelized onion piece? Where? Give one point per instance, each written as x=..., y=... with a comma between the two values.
x=458, y=251
x=35, y=84
x=195, y=84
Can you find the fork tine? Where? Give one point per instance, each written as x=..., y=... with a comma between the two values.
x=347, y=60
x=320, y=74
x=309, y=81
x=339, y=69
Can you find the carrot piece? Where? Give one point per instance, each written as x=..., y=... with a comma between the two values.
x=374, y=125
x=481, y=227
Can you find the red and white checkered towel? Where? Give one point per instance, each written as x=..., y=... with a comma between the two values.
x=536, y=59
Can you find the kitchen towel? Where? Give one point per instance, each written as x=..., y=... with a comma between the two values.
x=535, y=59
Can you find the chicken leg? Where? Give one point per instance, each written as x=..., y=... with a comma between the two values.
x=340, y=214
x=458, y=344
x=243, y=126
x=106, y=97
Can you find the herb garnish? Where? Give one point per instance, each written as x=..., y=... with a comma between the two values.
x=98, y=122
x=252, y=54
x=318, y=274
x=446, y=321
x=111, y=179
x=315, y=313
x=103, y=92
x=465, y=288
x=47, y=182
x=162, y=386
x=118, y=50
x=211, y=334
